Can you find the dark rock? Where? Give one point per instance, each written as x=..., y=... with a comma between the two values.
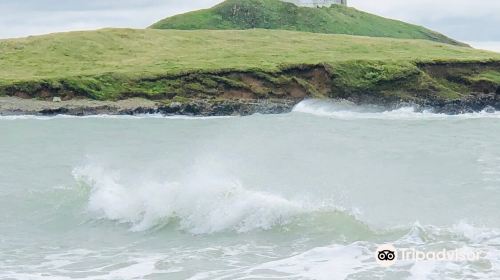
x=192, y=109
x=57, y=111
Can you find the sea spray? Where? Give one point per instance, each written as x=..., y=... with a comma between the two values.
x=344, y=110
x=149, y=204
x=202, y=202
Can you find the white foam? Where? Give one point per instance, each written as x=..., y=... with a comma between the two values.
x=335, y=261
x=56, y=267
x=461, y=236
x=476, y=235
x=347, y=111
x=357, y=260
x=202, y=203
x=321, y=263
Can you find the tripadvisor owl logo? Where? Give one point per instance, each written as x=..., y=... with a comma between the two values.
x=386, y=255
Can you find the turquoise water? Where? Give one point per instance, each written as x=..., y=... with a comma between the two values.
x=305, y=195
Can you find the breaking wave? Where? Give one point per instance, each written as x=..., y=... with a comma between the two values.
x=201, y=203
x=348, y=111
x=202, y=220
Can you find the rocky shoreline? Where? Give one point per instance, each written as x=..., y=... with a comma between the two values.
x=448, y=87
x=136, y=106
x=478, y=102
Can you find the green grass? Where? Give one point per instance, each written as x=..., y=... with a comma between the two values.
x=490, y=76
x=150, y=52
x=116, y=63
x=275, y=14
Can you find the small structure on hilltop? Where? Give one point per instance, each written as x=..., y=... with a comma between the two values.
x=317, y=3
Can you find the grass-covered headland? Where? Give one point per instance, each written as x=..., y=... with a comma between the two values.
x=214, y=66
x=276, y=14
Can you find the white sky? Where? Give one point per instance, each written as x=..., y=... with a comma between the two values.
x=465, y=20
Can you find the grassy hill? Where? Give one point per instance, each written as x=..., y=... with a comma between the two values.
x=275, y=14
x=166, y=64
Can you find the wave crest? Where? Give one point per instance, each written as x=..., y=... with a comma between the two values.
x=346, y=110
x=204, y=203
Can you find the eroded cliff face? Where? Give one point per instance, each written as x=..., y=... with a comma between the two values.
x=445, y=86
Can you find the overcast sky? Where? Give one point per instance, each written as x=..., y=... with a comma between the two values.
x=466, y=20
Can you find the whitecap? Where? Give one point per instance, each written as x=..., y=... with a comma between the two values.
x=347, y=111
x=202, y=203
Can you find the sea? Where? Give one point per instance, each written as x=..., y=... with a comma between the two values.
x=312, y=194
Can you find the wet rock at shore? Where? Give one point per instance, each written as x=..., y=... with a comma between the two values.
x=137, y=106
x=242, y=107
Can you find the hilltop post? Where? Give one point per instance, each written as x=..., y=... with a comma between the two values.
x=317, y=3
